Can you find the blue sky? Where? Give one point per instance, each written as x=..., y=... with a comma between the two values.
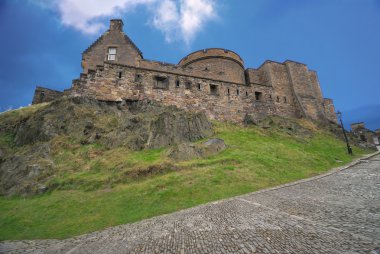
x=42, y=41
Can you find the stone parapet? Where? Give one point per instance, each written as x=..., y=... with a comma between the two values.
x=42, y=94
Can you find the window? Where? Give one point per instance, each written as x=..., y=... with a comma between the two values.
x=120, y=74
x=199, y=86
x=237, y=92
x=214, y=89
x=42, y=95
x=111, y=56
x=188, y=85
x=177, y=83
x=246, y=93
x=284, y=99
x=161, y=82
x=228, y=91
x=138, y=77
x=258, y=96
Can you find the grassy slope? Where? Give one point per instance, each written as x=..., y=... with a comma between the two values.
x=97, y=189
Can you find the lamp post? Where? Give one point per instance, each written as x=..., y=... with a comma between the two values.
x=349, y=149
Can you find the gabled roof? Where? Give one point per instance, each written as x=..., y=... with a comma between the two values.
x=133, y=44
x=101, y=38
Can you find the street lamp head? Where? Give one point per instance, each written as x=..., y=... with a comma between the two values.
x=339, y=114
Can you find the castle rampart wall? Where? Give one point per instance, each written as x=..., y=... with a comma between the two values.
x=304, y=90
x=329, y=110
x=288, y=89
x=283, y=96
x=42, y=94
x=257, y=76
x=220, y=100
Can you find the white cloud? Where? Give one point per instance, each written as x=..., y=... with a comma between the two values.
x=177, y=19
x=184, y=18
x=83, y=14
x=194, y=14
x=167, y=19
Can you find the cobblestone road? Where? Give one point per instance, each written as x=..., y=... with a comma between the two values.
x=335, y=213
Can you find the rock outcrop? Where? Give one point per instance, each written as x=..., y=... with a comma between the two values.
x=188, y=151
x=27, y=159
x=135, y=124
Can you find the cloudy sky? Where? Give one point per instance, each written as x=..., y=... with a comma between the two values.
x=42, y=41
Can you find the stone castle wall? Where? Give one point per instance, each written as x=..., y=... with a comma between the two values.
x=329, y=109
x=228, y=102
x=221, y=99
x=42, y=94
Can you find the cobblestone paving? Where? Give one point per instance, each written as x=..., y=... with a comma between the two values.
x=336, y=213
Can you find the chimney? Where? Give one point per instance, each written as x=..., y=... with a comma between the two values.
x=116, y=24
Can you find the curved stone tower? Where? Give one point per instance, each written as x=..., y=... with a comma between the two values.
x=216, y=63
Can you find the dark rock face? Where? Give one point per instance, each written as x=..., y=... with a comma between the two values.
x=250, y=120
x=168, y=129
x=187, y=151
x=19, y=173
x=287, y=125
x=134, y=124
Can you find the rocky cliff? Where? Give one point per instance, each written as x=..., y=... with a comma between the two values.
x=25, y=145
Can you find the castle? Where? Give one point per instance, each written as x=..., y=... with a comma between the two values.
x=212, y=80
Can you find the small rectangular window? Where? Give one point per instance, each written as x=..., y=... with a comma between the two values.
x=177, y=83
x=199, y=86
x=161, y=82
x=120, y=74
x=228, y=91
x=214, y=89
x=111, y=56
x=246, y=93
x=138, y=78
x=237, y=92
x=258, y=96
x=284, y=99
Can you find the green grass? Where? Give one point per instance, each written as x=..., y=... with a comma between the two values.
x=98, y=188
x=13, y=116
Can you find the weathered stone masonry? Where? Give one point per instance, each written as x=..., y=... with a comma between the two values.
x=214, y=80
x=42, y=94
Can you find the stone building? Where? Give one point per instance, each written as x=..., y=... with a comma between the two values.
x=42, y=94
x=366, y=137
x=213, y=80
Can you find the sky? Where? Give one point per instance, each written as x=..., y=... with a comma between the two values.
x=42, y=41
